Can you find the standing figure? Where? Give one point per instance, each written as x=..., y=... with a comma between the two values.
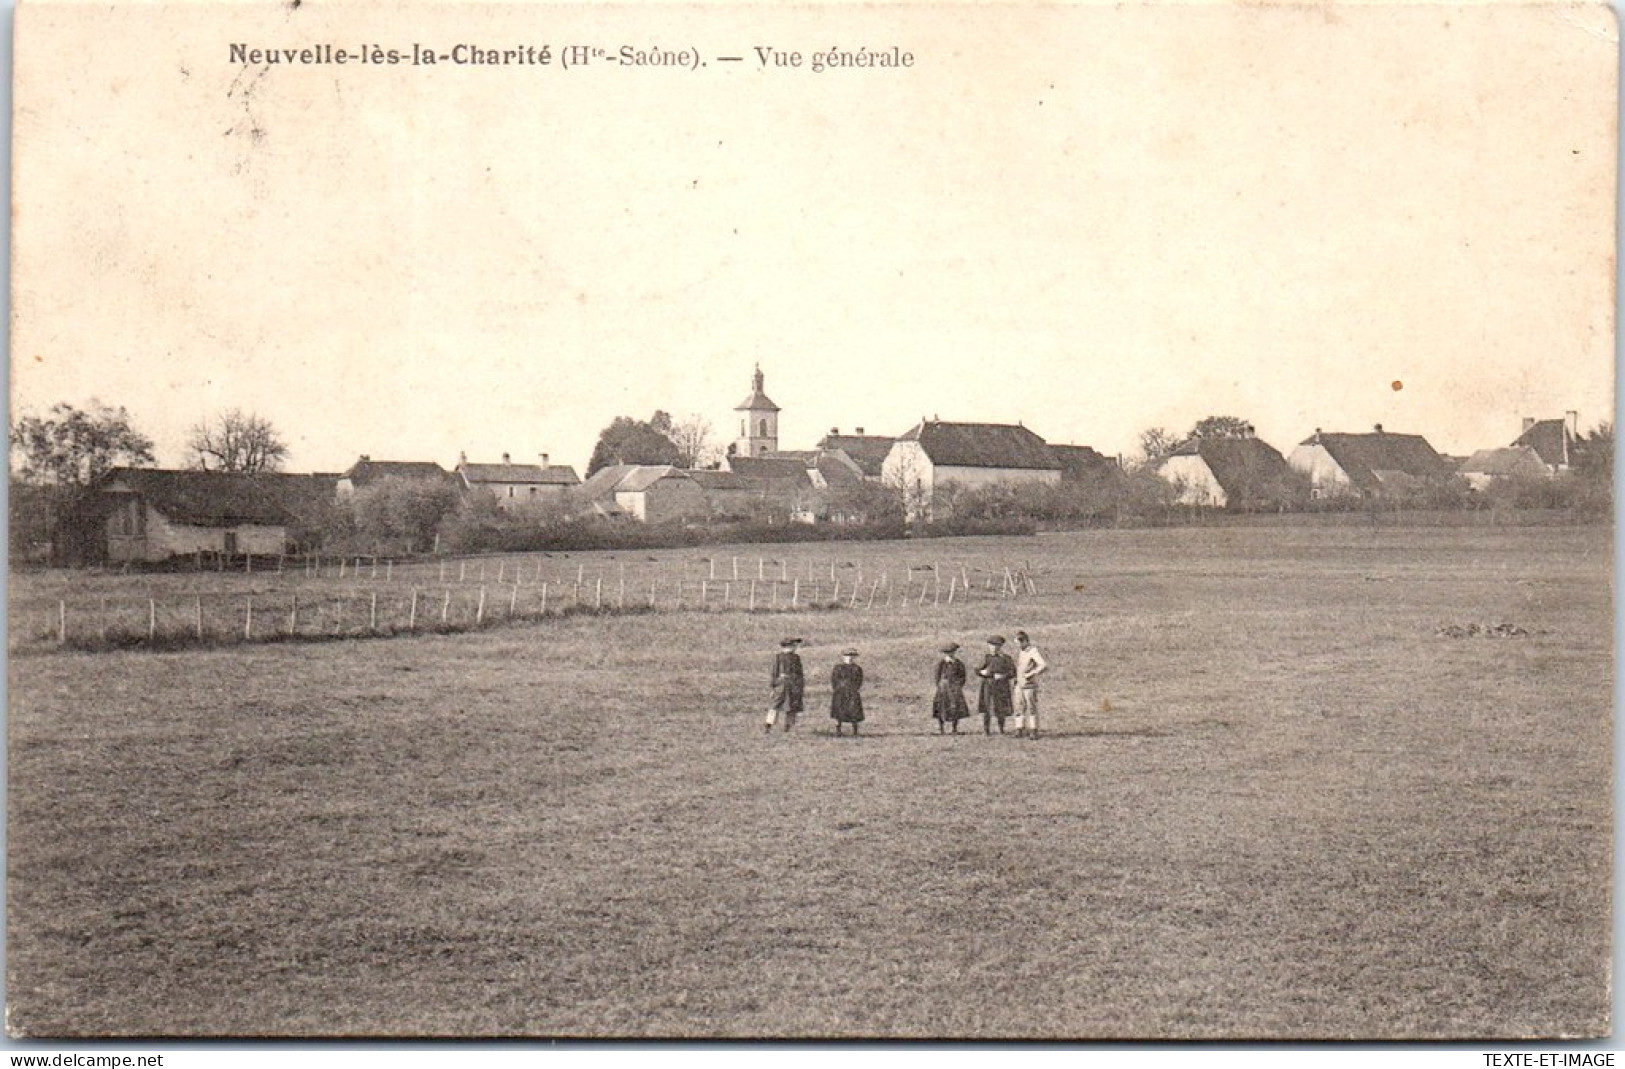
x=997, y=671
x=1030, y=664
x=787, y=685
x=948, y=705
x=846, y=686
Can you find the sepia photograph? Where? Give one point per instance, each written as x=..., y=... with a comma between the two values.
x=919, y=521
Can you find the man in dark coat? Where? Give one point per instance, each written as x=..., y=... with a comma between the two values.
x=846, y=697
x=948, y=704
x=996, y=672
x=787, y=685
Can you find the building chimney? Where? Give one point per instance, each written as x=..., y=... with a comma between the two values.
x=1572, y=419
x=544, y=460
x=505, y=459
x=366, y=458
x=860, y=430
x=1377, y=428
x=1528, y=422
x=835, y=430
x=462, y=458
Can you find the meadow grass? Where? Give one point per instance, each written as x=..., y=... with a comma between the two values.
x=1273, y=802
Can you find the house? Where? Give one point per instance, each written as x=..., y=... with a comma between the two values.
x=782, y=483
x=153, y=514
x=369, y=472
x=647, y=493
x=514, y=484
x=728, y=496
x=866, y=451
x=1225, y=472
x=934, y=453
x=1375, y=464
x=1552, y=440
x=1489, y=466
x=1080, y=463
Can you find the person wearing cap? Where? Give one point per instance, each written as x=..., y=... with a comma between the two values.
x=846, y=698
x=1030, y=664
x=787, y=685
x=948, y=705
x=996, y=672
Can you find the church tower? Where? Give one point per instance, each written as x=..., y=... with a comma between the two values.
x=758, y=422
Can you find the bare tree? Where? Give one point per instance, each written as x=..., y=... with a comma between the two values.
x=692, y=437
x=237, y=441
x=1156, y=443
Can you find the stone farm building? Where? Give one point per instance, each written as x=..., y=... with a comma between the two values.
x=512, y=484
x=647, y=493
x=867, y=452
x=369, y=472
x=935, y=453
x=1552, y=440
x=1377, y=464
x=154, y=515
x=1227, y=473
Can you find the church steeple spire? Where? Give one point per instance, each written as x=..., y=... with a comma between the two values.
x=759, y=427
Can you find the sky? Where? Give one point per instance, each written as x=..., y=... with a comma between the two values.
x=1090, y=220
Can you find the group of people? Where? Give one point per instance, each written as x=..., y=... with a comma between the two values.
x=1008, y=688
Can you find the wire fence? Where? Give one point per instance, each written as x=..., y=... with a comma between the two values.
x=320, y=598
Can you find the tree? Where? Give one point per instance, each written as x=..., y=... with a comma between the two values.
x=1221, y=427
x=1156, y=443
x=73, y=447
x=692, y=437
x=634, y=441
x=237, y=441
x=397, y=511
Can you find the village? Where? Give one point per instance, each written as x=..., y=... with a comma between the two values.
x=961, y=477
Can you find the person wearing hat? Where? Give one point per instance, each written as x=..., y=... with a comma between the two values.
x=787, y=685
x=846, y=698
x=997, y=670
x=1030, y=664
x=948, y=706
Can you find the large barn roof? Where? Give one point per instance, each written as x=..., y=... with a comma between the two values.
x=226, y=499
x=868, y=451
x=366, y=470
x=1363, y=456
x=982, y=445
x=1241, y=466
x=1550, y=439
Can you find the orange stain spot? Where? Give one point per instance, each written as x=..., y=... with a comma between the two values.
x=1398, y=385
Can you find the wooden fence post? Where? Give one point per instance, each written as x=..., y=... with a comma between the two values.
x=198, y=615
x=389, y=570
x=479, y=613
x=736, y=567
x=445, y=607
x=544, y=599
x=152, y=619
x=341, y=568
x=598, y=594
x=61, y=623
x=101, y=621
x=795, y=595
x=372, y=613
x=513, y=599
x=412, y=613
x=248, y=619
x=462, y=570
x=753, y=593
x=293, y=615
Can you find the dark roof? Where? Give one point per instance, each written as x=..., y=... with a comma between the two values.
x=552, y=475
x=1364, y=458
x=789, y=469
x=602, y=483
x=982, y=445
x=1244, y=468
x=367, y=470
x=226, y=499
x=868, y=451
x=643, y=476
x=1511, y=461
x=1551, y=440
x=1082, y=462
x=711, y=479
x=838, y=468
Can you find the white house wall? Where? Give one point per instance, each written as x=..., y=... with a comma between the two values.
x=1195, y=481
x=1326, y=476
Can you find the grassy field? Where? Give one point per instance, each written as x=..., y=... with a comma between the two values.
x=1273, y=802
